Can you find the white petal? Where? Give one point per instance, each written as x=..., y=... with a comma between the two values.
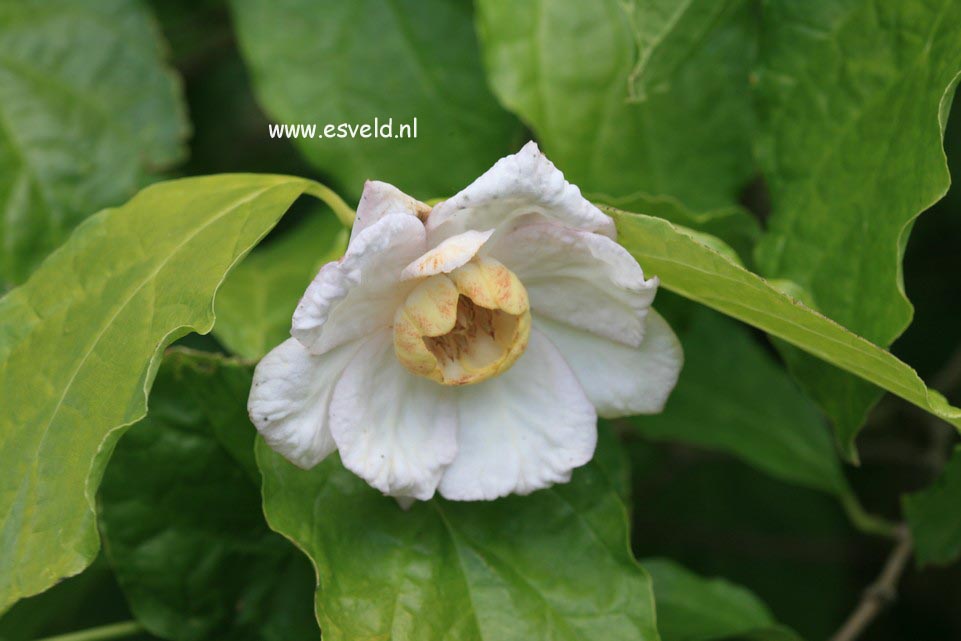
x=290, y=397
x=621, y=380
x=580, y=278
x=358, y=295
x=381, y=199
x=448, y=255
x=395, y=430
x=522, y=431
x=524, y=184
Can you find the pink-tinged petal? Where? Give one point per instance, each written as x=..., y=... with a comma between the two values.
x=452, y=253
x=522, y=431
x=580, y=278
x=358, y=295
x=395, y=430
x=619, y=380
x=525, y=184
x=382, y=199
x=290, y=397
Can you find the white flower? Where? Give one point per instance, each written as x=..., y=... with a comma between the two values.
x=468, y=348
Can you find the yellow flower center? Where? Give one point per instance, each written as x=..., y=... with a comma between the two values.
x=464, y=327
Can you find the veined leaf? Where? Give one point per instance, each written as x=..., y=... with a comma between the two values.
x=328, y=62
x=565, y=67
x=692, y=608
x=668, y=33
x=934, y=515
x=80, y=345
x=553, y=565
x=87, y=110
x=854, y=96
x=696, y=271
x=181, y=517
x=257, y=301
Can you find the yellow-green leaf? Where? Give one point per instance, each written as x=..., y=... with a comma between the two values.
x=695, y=270
x=80, y=344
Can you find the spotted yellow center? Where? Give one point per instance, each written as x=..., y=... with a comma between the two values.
x=464, y=327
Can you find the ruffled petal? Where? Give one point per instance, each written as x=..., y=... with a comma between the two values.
x=358, y=295
x=395, y=430
x=452, y=253
x=619, y=380
x=525, y=184
x=381, y=199
x=580, y=278
x=522, y=431
x=290, y=397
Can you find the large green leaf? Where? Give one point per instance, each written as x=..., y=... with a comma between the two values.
x=181, y=517
x=332, y=62
x=692, y=608
x=934, y=516
x=565, y=67
x=552, y=565
x=87, y=110
x=667, y=33
x=257, y=300
x=80, y=345
x=733, y=397
x=695, y=270
x=854, y=95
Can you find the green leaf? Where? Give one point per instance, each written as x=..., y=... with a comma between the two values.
x=934, y=516
x=257, y=301
x=854, y=98
x=328, y=62
x=565, y=67
x=80, y=345
x=733, y=397
x=734, y=225
x=696, y=271
x=667, y=33
x=181, y=517
x=692, y=608
x=88, y=110
x=552, y=565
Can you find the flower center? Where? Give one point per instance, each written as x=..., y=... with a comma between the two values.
x=464, y=327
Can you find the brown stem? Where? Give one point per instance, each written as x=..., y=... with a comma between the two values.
x=882, y=592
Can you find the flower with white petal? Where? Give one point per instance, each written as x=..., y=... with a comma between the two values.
x=468, y=348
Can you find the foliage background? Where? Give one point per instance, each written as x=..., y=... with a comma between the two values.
x=690, y=138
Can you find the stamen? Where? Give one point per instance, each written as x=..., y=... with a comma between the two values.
x=462, y=342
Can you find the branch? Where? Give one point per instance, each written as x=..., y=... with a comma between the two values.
x=882, y=592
